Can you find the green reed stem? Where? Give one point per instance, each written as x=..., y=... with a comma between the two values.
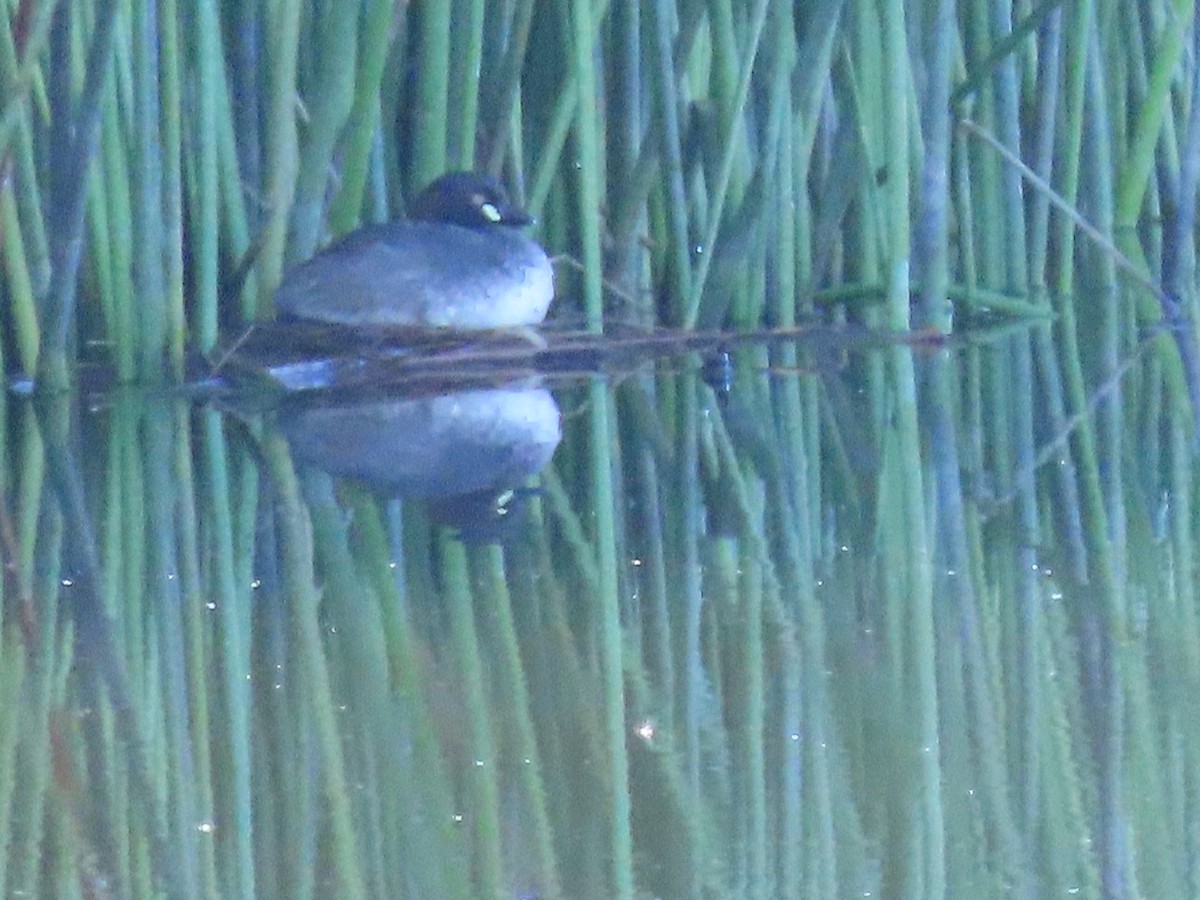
x=609, y=629
x=171, y=65
x=507, y=96
x=931, y=252
x=29, y=207
x=1140, y=157
x=730, y=124
x=112, y=230
x=657, y=619
x=576, y=540
x=313, y=668
x=282, y=158
x=12, y=685
x=236, y=217
x=234, y=654
x=429, y=151
x=1107, y=334
x=1049, y=81
x=20, y=77
x=749, y=696
x=177, y=778
x=21, y=299
x=516, y=691
x=1008, y=127
x=198, y=657
x=33, y=769
x=354, y=615
x=919, y=598
x=436, y=852
x=148, y=228
x=587, y=137
x=375, y=39
x=204, y=197
x=481, y=777
x=467, y=65
x=328, y=104
x=75, y=142
x=564, y=114
x=671, y=151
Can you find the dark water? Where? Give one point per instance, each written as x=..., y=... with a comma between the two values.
x=771, y=624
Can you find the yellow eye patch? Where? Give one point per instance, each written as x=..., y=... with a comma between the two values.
x=488, y=209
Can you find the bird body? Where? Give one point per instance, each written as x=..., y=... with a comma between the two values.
x=461, y=263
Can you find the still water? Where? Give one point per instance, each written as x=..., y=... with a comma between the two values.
x=730, y=634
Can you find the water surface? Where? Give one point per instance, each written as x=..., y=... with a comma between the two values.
x=745, y=635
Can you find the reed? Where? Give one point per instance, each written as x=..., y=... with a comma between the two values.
x=313, y=671
x=233, y=617
x=888, y=725
x=202, y=182
x=282, y=129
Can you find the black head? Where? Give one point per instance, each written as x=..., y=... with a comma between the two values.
x=470, y=199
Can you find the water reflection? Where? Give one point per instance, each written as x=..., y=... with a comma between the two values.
x=457, y=443
x=466, y=451
x=233, y=667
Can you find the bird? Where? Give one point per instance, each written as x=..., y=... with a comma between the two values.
x=461, y=261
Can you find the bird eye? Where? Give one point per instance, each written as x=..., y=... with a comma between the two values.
x=490, y=212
